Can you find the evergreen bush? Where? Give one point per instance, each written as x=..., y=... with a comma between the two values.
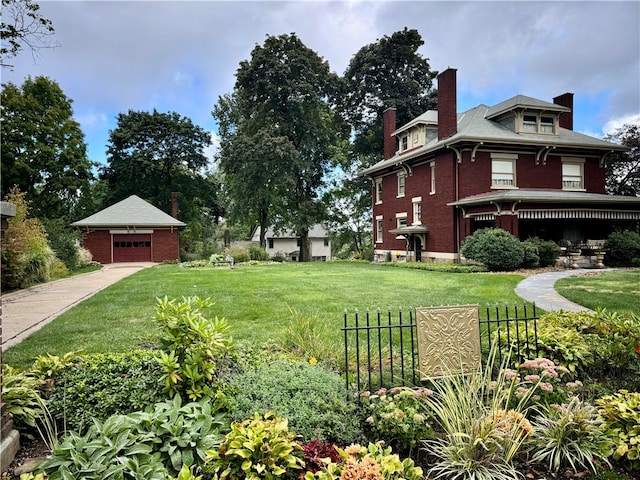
x=623, y=249
x=548, y=251
x=497, y=249
x=311, y=397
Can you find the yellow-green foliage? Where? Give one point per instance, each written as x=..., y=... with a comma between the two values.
x=26, y=255
x=256, y=449
x=622, y=412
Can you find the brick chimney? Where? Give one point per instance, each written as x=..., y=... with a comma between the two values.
x=566, y=118
x=447, y=104
x=174, y=204
x=388, y=127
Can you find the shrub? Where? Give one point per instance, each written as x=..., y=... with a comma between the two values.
x=398, y=416
x=621, y=411
x=256, y=252
x=257, y=448
x=623, y=249
x=101, y=385
x=374, y=462
x=26, y=255
x=570, y=435
x=311, y=397
x=531, y=255
x=239, y=254
x=145, y=445
x=63, y=240
x=497, y=249
x=548, y=251
x=191, y=343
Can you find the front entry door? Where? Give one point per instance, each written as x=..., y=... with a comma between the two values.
x=417, y=248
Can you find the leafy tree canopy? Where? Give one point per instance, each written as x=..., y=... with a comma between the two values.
x=281, y=120
x=43, y=148
x=623, y=169
x=154, y=154
x=387, y=73
x=24, y=27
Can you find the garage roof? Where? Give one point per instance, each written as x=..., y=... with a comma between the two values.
x=130, y=212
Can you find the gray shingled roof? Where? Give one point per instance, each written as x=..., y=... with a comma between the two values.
x=546, y=196
x=130, y=212
x=524, y=102
x=475, y=126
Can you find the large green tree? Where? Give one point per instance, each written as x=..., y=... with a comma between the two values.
x=279, y=135
x=154, y=154
x=623, y=168
x=387, y=73
x=23, y=26
x=43, y=148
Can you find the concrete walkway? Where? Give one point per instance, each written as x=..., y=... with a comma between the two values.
x=540, y=289
x=28, y=310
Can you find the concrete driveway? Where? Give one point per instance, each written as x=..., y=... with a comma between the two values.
x=25, y=311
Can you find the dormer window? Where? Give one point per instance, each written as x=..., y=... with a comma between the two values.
x=538, y=123
x=405, y=143
x=530, y=123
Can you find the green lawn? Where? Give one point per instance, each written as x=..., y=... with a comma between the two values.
x=255, y=300
x=616, y=290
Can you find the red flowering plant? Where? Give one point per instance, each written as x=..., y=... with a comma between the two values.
x=318, y=454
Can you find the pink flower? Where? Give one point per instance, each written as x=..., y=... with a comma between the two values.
x=547, y=387
x=365, y=394
x=382, y=391
x=532, y=378
x=395, y=390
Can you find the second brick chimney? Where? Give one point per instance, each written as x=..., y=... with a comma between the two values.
x=174, y=204
x=388, y=127
x=447, y=104
x=566, y=118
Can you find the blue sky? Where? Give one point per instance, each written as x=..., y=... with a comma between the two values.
x=181, y=56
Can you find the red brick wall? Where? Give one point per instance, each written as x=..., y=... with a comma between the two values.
x=99, y=244
x=165, y=245
x=389, y=126
x=447, y=104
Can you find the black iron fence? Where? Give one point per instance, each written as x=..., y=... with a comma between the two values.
x=381, y=347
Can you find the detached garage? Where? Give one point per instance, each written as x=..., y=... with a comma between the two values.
x=132, y=230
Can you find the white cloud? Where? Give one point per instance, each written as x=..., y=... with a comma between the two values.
x=612, y=125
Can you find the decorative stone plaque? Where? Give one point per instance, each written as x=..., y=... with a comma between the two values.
x=448, y=340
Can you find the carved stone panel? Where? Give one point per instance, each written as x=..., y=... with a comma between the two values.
x=448, y=340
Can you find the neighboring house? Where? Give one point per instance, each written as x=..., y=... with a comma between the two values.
x=287, y=244
x=132, y=230
x=517, y=165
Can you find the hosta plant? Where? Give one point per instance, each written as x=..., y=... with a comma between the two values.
x=146, y=445
x=258, y=448
x=621, y=411
x=570, y=435
x=21, y=397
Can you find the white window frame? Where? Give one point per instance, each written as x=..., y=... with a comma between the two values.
x=534, y=123
x=378, y=191
x=417, y=210
x=432, y=168
x=379, y=228
x=404, y=143
x=402, y=183
x=568, y=179
x=498, y=162
x=401, y=219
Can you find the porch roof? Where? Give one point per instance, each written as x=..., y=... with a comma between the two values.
x=410, y=229
x=548, y=196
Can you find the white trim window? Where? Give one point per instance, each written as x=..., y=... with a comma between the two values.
x=405, y=143
x=573, y=173
x=417, y=210
x=378, y=191
x=401, y=184
x=503, y=170
x=538, y=123
x=379, y=226
x=401, y=220
x=432, y=169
